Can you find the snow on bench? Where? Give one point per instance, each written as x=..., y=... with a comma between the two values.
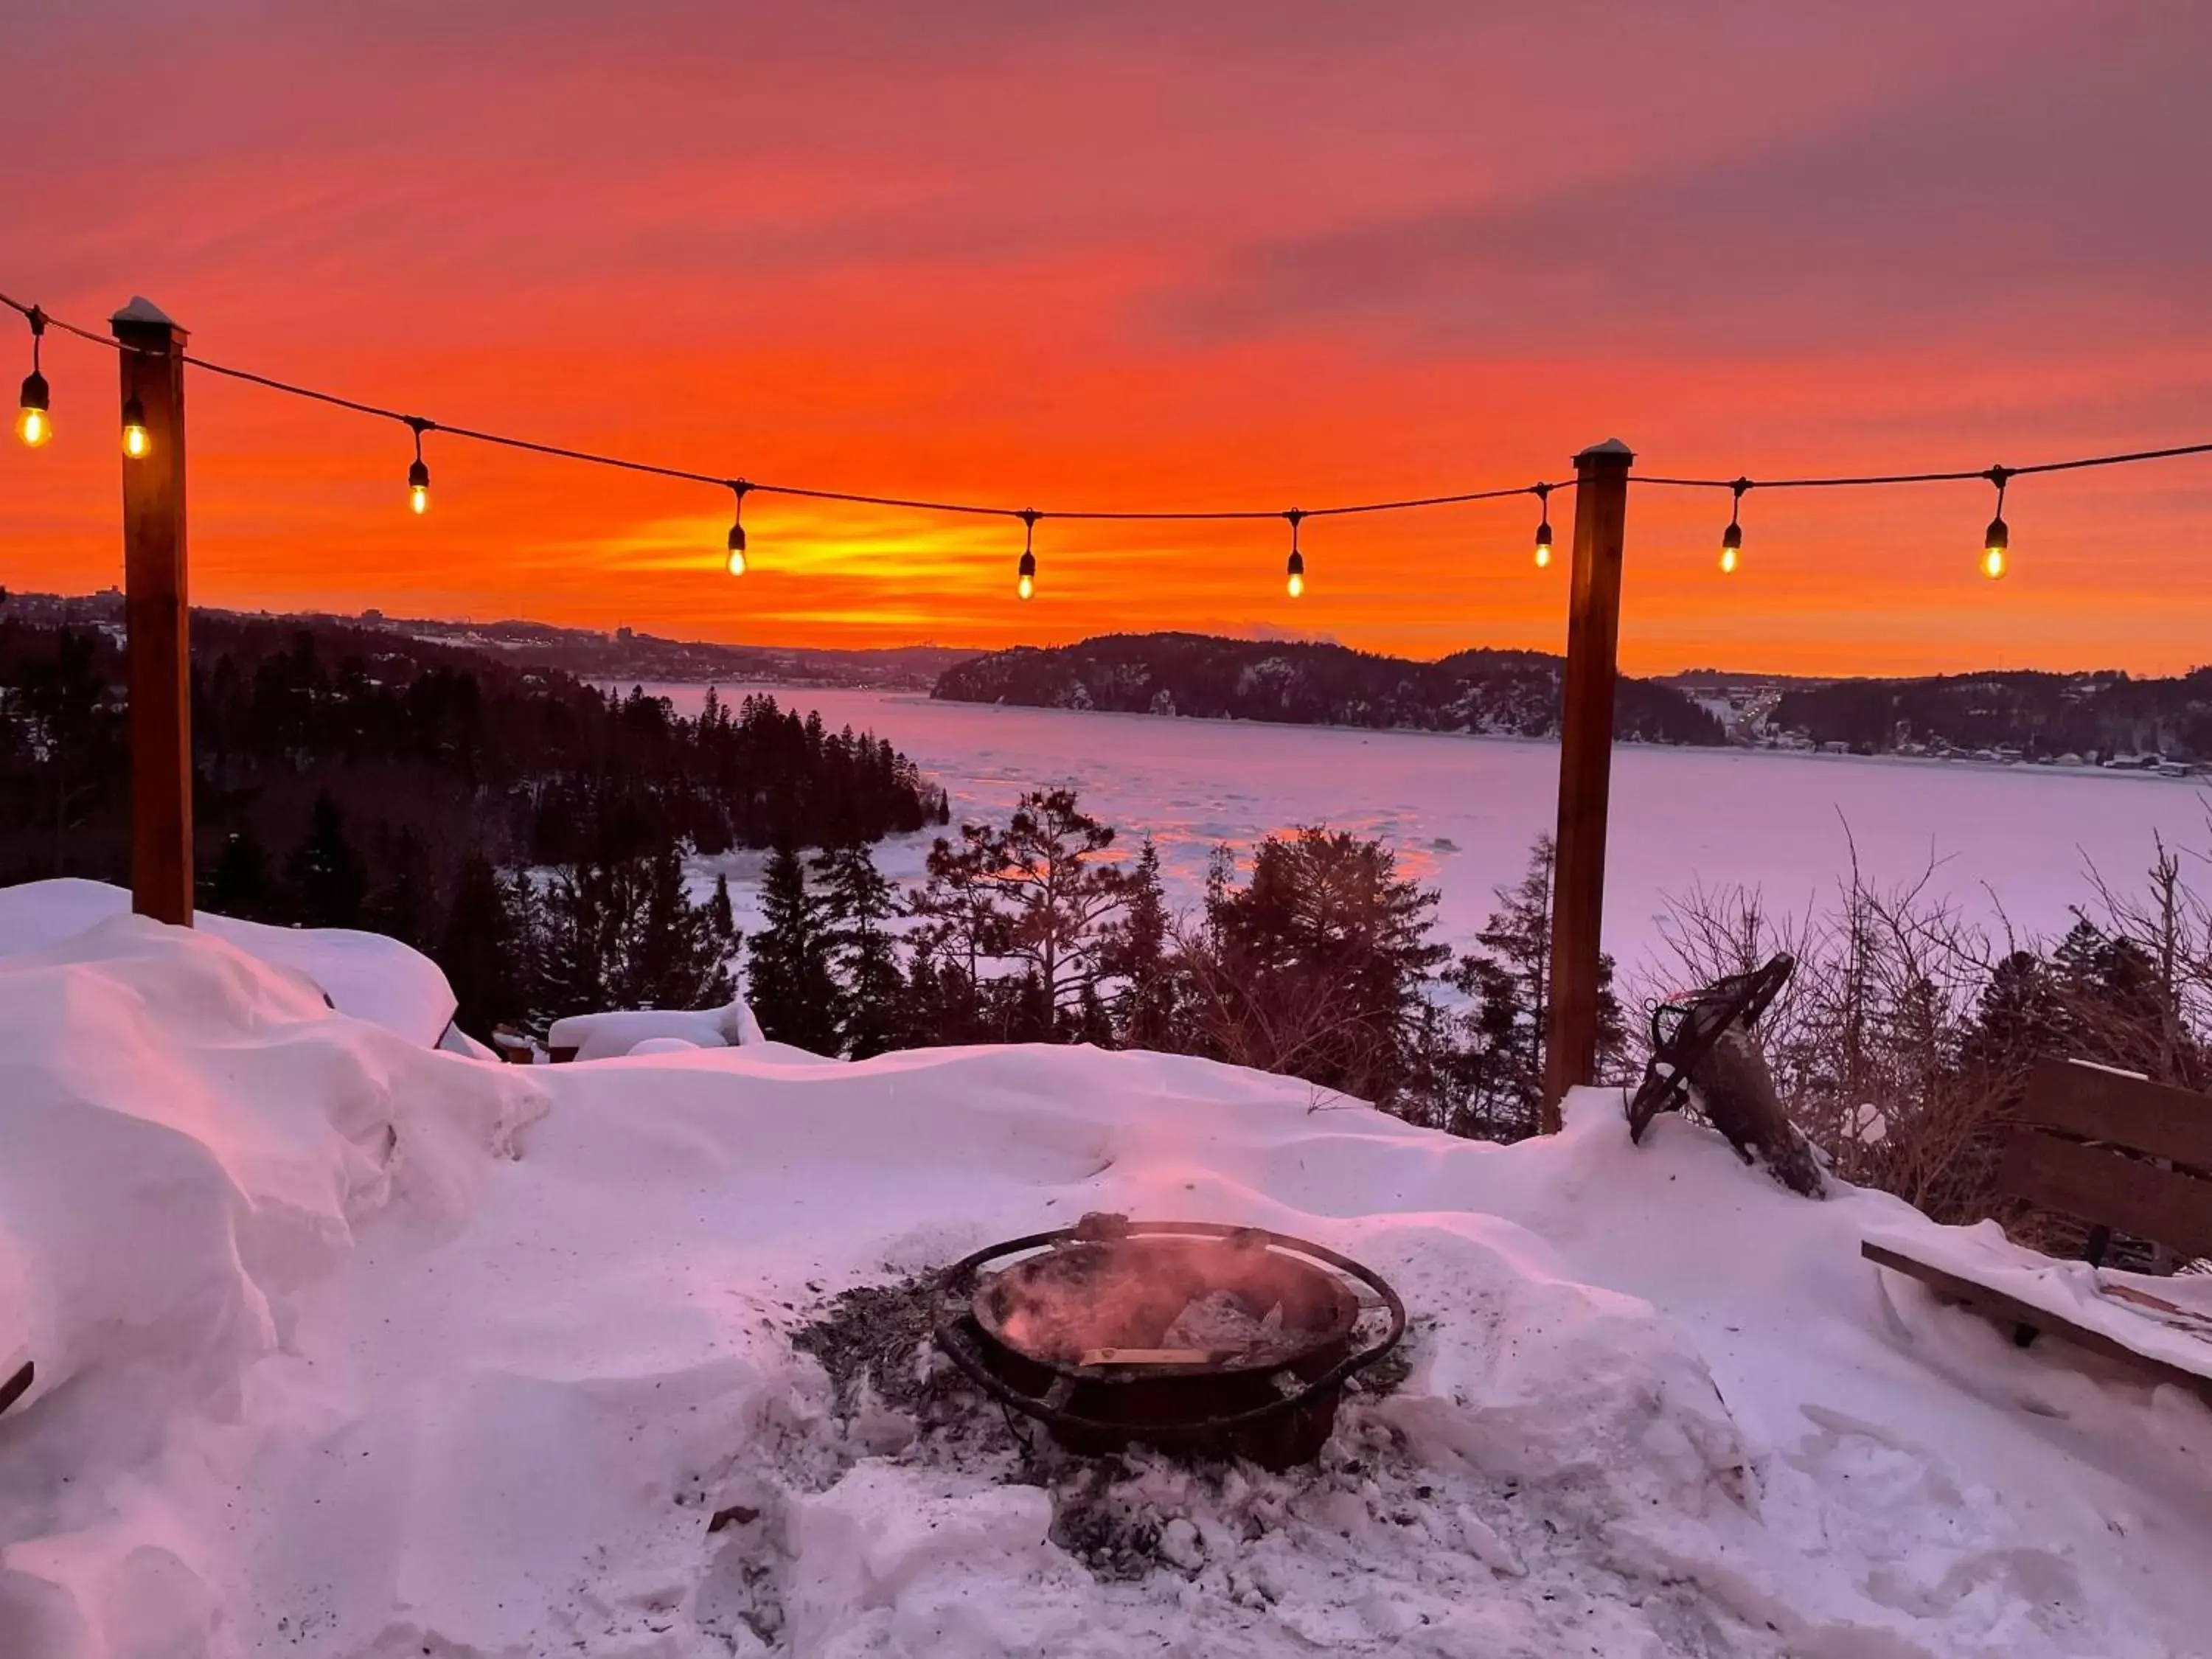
x=2124, y=1155
x=2162, y=1323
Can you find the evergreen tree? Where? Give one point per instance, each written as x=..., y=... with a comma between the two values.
x=240, y=884
x=400, y=907
x=1145, y=1009
x=325, y=871
x=675, y=955
x=1489, y=1080
x=788, y=982
x=1317, y=965
x=856, y=904
x=479, y=950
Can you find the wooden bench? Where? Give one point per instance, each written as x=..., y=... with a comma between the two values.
x=2122, y=1154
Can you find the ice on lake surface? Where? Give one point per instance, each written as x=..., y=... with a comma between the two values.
x=1462, y=811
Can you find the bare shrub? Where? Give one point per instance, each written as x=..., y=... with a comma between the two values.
x=1903, y=1043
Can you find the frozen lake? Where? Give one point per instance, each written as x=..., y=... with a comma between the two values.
x=1462, y=811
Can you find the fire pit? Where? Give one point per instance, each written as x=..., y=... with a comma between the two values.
x=1184, y=1335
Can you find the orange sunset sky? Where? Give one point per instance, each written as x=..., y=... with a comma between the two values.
x=1134, y=256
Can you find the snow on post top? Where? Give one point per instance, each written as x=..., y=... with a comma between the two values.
x=143, y=310
x=1610, y=446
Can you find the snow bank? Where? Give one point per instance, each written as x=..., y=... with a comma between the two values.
x=364, y=1350
x=365, y=975
x=191, y=1139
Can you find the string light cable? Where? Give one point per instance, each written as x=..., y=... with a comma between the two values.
x=34, y=426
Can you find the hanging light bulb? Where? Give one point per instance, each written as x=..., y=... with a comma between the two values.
x=1296, y=569
x=1543, y=494
x=1025, y=578
x=737, y=562
x=1732, y=537
x=137, y=440
x=1996, y=540
x=418, y=474
x=34, y=423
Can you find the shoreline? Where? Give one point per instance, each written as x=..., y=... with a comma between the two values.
x=2032, y=768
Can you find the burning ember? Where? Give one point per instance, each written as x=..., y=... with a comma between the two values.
x=1182, y=1334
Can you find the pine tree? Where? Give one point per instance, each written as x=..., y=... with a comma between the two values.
x=789, y=981
x=1046, y=876
x=1491, y=1069
x=675, y=958
x=856, y=904
x=1317, y=965
x=479, y=950
x=400, y=908
x=241, y=883
x=325, y=871
x=577, y=929
x=1145, y=1009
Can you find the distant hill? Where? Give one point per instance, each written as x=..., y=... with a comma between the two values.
x=1506, y=692
x=623, y=656
x=2041, y=716
x=626, y=655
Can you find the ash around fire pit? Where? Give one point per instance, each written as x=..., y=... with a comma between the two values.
x=1183, y=1335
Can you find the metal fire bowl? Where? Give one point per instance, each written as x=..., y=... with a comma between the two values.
x=1275, y=1405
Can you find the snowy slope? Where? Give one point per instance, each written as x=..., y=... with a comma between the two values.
x=361, y=1350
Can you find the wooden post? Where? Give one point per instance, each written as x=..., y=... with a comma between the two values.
x=156, y=600
x=1585, y=770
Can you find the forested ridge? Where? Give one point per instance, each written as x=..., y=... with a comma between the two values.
x=1514, y=693
x=2040, y=713
x=525, y=829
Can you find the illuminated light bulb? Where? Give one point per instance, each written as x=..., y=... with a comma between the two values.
x=1297, y=582
x=34, y=424
x=1732, y=537
x=735, y=562
x=1996, y=540
x=137, y=440
x=1025, y=572
x=418, y=486
x=1544, y=554
x=1543, y=494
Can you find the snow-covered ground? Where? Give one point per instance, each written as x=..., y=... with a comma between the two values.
x=350, y=1347
x=1462, y=811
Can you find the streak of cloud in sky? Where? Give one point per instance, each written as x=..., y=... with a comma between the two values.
x=1135, y=255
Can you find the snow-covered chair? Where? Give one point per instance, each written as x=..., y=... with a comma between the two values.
x=2128, y=1156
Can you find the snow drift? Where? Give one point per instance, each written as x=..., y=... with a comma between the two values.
x=358, y=1349
x=374, y=978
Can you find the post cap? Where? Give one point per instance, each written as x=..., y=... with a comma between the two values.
x=141, y=315
x=1611, y=446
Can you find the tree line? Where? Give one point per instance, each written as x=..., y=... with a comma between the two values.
x=2042, y=715
x=1902, y=1046
x=524, y=827
x=1320, y=961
